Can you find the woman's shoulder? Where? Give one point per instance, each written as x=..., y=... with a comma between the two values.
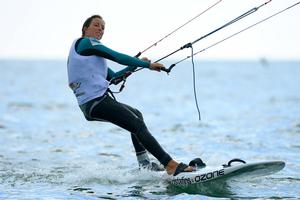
x=85, y=43
x=91, y=41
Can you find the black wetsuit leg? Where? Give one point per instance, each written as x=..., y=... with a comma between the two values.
x=108, y=109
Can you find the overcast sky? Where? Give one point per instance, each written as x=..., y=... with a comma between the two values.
x=45, y=29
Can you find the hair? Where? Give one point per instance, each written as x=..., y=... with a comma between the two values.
x=88, y=22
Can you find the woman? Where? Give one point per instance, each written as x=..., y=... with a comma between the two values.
x=89, y=79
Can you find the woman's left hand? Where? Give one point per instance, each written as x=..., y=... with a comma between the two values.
x=156, y=66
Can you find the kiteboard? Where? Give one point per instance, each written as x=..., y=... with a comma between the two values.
x=234, y=168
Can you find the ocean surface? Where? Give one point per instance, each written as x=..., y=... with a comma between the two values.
x=249, y=109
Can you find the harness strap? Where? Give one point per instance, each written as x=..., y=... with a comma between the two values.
x=111, y=93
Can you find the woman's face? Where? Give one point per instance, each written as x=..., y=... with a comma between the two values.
x=95, y=29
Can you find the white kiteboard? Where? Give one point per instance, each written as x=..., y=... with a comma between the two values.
x=239, y=168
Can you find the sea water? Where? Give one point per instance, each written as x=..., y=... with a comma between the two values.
x=249, y=110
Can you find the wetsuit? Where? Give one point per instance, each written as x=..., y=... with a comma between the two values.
x=89, y=79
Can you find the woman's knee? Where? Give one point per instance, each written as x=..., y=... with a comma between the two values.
x=139, y=114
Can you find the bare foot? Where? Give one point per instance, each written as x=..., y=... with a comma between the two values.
x=172, y=165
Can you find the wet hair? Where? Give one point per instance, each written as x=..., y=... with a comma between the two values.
x=88, y=22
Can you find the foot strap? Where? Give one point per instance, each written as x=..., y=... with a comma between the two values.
x=180, y=168
x=233, y=160
x=197, y=162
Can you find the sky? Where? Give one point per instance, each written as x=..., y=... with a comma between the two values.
x=45, y=29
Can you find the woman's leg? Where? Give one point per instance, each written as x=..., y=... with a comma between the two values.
x=141, y=153
x=122, y=115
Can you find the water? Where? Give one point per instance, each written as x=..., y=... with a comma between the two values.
x=250, y=110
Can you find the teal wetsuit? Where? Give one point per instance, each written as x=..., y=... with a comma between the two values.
x=87, y=47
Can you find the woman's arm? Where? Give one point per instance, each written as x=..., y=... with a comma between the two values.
x=91, y=46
